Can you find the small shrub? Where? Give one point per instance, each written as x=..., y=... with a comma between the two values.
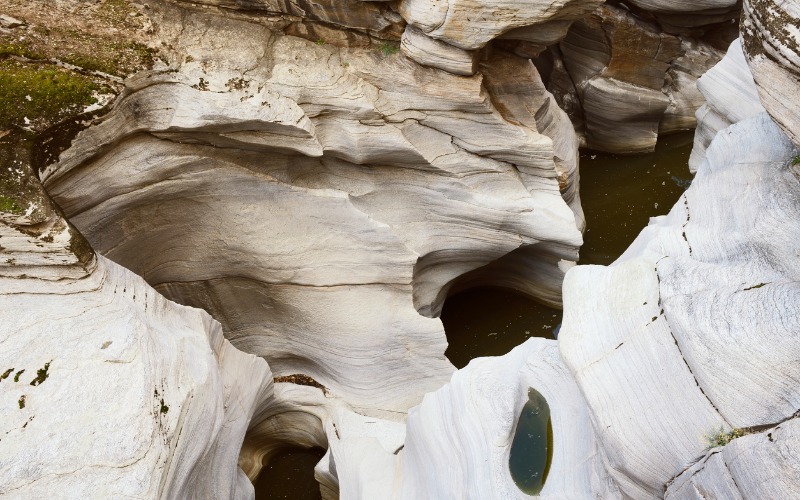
x=389, y=48
x=721, y=438
x=796, y=160
x=320, y=42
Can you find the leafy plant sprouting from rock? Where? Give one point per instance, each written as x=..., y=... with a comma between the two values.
x=721, y=438
x=389, y=48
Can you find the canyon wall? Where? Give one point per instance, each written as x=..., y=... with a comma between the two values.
x=318, y=177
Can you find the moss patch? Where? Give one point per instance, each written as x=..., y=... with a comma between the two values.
x=118, y=59
x=10, y=205
x=42, y=94
x=19, y=49
x=106, y=35
x=41, y=374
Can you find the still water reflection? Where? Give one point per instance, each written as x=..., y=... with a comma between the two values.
x=490, y=321
x=532, y=447
x=289, y=475
x=619, y=194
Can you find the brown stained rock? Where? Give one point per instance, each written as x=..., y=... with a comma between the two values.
x=633, y=51
x=633, y=80
x=373, y=17
x=300, y=379
x=640, y=55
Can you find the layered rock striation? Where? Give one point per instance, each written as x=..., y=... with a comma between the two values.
x=771, y=41
x=693, y=331
x=107, y=389
x=321, y=201
x=625, y=80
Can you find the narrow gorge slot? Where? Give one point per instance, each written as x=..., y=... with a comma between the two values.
x=532, y=449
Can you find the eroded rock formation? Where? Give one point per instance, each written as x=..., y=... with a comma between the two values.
x=728, y=82
x=319, y=200
x=320, y=175
x=107, y=388
x=702, y=310
x=626, y=81
x=771, y=41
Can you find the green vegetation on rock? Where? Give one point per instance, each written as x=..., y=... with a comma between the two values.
x=10, y=205
x=721, y=438
x=116, y=59
x=19, y=49
x=41, y=374
x=389, y=48
x=33, y=94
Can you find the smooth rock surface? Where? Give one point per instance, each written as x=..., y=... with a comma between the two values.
x=762, y=465
x=471, y=24
x=104, y=378
x=694, y=328
x=436, y=54
x=459, y=438
x=731, y=96
x=321, y=201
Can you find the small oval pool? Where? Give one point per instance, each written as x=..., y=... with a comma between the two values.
x=532, y=448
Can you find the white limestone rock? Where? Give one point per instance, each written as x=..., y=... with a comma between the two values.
x=458, y=440
x=471, y=24
x=436, y=54
x=731, y=96
x=322, y=201
x=760, y=465
x=694, y=328
x=108, y=389
x=771, y=42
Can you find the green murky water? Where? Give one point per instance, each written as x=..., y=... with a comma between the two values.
x=619, y=194
x=490, y=321
x=289, y=475
x=532, y=448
